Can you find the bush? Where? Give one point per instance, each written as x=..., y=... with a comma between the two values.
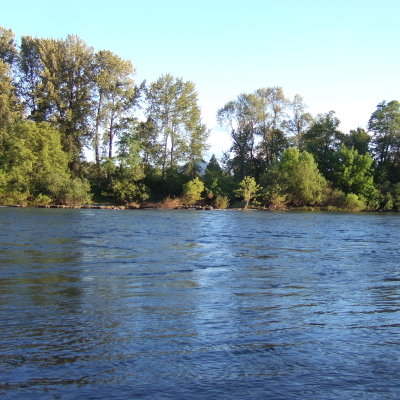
x=352, y=202
x=77, y=192
x=64, y=190
x=221, y=202
x=170, y=203
x=339, y=200
x=192, y=191
x=128, y=191
x=40, y=200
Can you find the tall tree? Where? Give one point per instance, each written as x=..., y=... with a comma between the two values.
x=172, y=107
x=146, y=134
x=194, y=146
x=64, y=94
x=257, y=115
x=353, y=172
x=299, y=178
x=10, y=108
x=385, y=125
x=114, y=98
x=322, y=140
x=359, y=139
x=271, y=125
x=8, y=48
x=30, y=74
x=240, y=117
x=126, y=179
x=299, y=122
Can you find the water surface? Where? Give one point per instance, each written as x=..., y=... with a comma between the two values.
x=198, y=304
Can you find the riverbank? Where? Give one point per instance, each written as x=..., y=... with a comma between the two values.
x=113, y=207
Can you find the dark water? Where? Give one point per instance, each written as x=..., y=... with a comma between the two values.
x=199, y=305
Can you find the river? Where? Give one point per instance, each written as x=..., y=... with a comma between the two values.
x=183, y=304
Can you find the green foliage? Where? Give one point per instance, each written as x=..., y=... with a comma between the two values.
x=395, y=191
x=385, y=124
x=76, y=98
x=322, y=140
x=126, y=172
x=35, y=167
x=8, y=49
x=213, y=165
x=114, y=95
x=64, y=190
x=299, y=178
x=248, y=189
x=251, y=118
x=127, y=190
x=217, y=182
x=65, y=90
x=388, y=197
x=299, y=123
x=192, y=191
x=175, y=115
x=221, y=202
x=10, y=109
x=338, y=200
x=273, y=194
x=352, y=202
x=353, y=172
x=274, y=197
x=32, y=152
x=359, y=139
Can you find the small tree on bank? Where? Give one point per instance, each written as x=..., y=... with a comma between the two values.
x=192, y=191
x=248, y=189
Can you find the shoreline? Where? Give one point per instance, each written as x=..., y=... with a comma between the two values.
x=99, y=207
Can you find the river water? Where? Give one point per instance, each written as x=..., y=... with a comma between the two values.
x=199, y=304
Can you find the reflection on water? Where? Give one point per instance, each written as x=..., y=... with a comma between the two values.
x=179, y=304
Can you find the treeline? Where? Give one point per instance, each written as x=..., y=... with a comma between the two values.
x=302, y=160
x=60, y=99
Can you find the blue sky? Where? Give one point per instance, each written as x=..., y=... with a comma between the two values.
x=339, y=55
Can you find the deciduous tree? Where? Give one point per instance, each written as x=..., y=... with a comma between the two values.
x=35, y=165
x=248, y=189
x=192, y=190
x=322, y=140
x=172, y=107
x=65, y=92
x=114, y=98
x=353, y=172
x=385, y=125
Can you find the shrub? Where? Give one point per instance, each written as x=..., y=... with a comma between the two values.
x=352, y=202
x=221, y=202
x=192, y=191
x=170, y=203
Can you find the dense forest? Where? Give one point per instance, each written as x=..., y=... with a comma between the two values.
x=60, y=100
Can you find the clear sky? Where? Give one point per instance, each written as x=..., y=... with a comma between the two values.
x=340, y=55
